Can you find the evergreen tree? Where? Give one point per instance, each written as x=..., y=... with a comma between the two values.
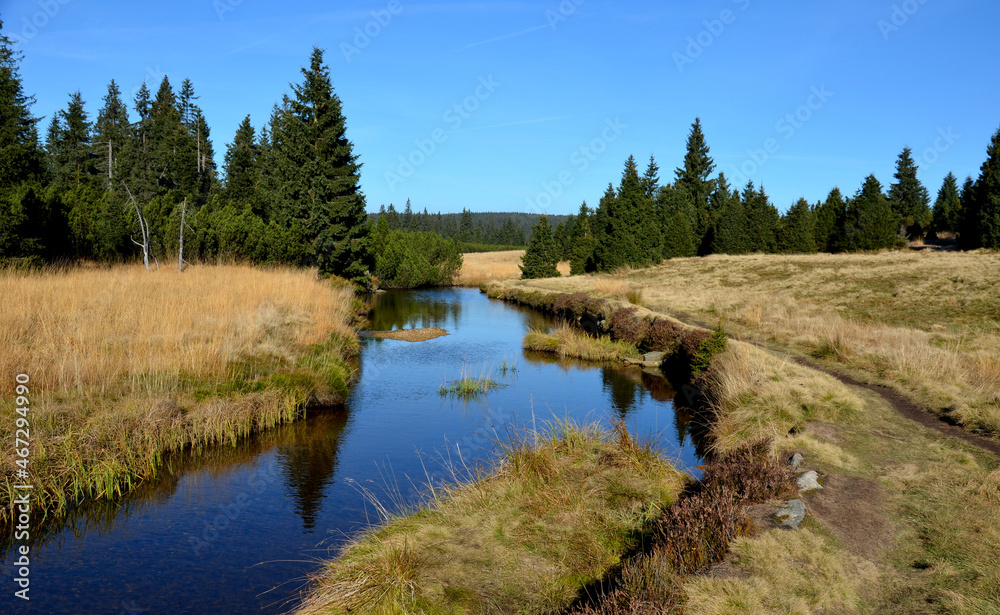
x=730, y=235
x=909, y=198
x=111, y=134
x=762, y=220
x=651, y=179
x=987, y=195
x=630, y=227
x=466, y=226
x=24, y=216
x=539, y=261
x=693, y=180
x=315, y=177
x=796, y=233
x=672, y=207
x=717, y=202
x=392, y=217
x=969, y=230
x=407, y=222
x=241, y=165
x=869, y=222
x=830, y=222
x=946, y=206
x=71, y=159
x=581, y=241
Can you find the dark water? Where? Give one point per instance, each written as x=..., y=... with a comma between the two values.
x=238, y=530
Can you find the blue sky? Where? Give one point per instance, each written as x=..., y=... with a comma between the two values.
x=534, y=106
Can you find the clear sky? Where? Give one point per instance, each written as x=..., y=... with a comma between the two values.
x=534, y=106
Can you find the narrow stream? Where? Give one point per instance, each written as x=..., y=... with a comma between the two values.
x=238, y=530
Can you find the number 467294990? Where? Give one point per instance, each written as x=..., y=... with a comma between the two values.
x=22, y=423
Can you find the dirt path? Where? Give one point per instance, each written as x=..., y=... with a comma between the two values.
x=899, y=402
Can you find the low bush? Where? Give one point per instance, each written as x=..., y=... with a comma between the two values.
x=626, y=327
x=664, y=335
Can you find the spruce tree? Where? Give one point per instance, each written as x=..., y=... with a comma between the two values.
x=693, y=180
x=541, y=257
x=315, y=176
x=987, y=195
x=630, y=226
x=969, y=230
x=762, y=220
x=241, y=166
x=581, y=241
x=909, y=198
x=71, y=158
x=672, y=207
x=24, y=215
x=796, y=234
x=730, y=235
x=111, y=134
x=869, y=222
x=946, y=206
x=830, y=222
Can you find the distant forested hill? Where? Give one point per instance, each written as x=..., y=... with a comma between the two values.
x=485, y=228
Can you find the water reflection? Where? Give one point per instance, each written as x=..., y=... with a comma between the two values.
x=308, y=460
x=396, y=309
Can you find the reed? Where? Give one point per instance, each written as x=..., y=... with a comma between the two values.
x=127, y=366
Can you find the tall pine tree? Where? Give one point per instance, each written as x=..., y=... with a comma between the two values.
x=796, y=233
x=987, y=195
x=315, y=176
x=693, y=180
x=542, y=255
x=830, y=222
x=909, y=198
x=241, y=166
x=24, y=215
x=946, y=206
x=869, y=222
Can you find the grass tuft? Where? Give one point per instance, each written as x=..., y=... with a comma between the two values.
x=555, y=514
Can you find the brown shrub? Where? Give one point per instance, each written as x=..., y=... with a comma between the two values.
x=574, y=304
x=664, y=335
x=625, y=326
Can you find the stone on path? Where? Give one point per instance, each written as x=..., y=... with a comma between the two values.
x=791, y=514
x=809, y=481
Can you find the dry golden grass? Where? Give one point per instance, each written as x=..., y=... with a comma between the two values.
x=125, y=325
x=927, y=323
x=126, y=365
x=937, y=498
x=480, y=268
x=813, y=574
x=565, y=341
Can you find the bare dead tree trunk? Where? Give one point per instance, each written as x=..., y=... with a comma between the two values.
x=143, y=227
x=180, y=254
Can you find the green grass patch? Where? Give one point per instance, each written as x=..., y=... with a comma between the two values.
x=559, y=511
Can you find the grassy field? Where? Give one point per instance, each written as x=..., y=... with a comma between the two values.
x=558, y=513
x=908, y=520
x=925, y=323
x=126, y=366
x=480, y=268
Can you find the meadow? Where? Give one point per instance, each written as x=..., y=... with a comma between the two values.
x=126, y=366
x=907, y=519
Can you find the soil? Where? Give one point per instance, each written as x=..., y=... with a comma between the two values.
x=410, y=335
